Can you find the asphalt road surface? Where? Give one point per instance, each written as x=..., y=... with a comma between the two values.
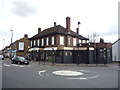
x=42, y=76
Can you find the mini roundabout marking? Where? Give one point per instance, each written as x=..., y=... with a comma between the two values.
x=69, y=74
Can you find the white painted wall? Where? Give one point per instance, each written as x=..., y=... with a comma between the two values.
x=116, y=51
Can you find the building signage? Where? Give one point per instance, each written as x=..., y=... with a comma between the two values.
x=21, y=46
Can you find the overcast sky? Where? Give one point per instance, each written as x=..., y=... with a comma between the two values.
x=25, y=16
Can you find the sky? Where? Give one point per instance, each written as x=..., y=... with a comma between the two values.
x=26, y=16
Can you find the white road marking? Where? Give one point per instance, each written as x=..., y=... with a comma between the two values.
x=78, y=78
x=21, y=66
x=83, y=78
x=67, y=73
x=93, y=77
x=14, y=65
x=6, y=65
x=84, y=71
x=41, y=72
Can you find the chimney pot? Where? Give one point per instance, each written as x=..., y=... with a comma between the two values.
x=77, y=30
x=25, y=35
x=54, y=24
x=68, y=24
x=39, y=30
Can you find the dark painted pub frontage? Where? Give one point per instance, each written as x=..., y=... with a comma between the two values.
x=62, y=45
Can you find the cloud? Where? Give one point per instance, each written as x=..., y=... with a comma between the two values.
x=23, y=9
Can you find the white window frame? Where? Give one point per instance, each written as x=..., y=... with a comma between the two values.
x=38, y=42
x=53, y=40
x=74, y=41
x=80, y=41
x=69, y=41
x=34, y=42
x=31, y=43
x=61, y=40
x=47, y=41
x=83, y=41
x=42, y=44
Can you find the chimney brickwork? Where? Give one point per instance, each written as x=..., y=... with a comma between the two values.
x=39, y=30
x=68, y=24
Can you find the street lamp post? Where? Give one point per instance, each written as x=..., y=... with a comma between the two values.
x=11, y=43
x=3, y=46
x=78, y=25
x=78, y=44
x=3, y=43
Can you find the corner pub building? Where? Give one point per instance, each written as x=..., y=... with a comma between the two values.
x=66, y=46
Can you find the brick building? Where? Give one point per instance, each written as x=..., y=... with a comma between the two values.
x=65, y=45
x=20, y=47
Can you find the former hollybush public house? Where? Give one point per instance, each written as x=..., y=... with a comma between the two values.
x=66, y=46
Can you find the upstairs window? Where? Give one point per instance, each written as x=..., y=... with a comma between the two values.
x=42, y=44
x=34, y=42
x=47, y=40
x=38, y=42
x=31, y=43
x=61, y=40
x=74, y=42
x=80, y=41
x=69, y=43
x=53, y=41
x=83, y=41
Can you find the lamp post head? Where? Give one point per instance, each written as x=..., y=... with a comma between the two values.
x=79, y=23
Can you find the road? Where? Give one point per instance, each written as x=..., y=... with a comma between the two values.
x=41, y=76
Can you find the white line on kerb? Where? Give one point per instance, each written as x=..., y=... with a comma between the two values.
x=41, y=72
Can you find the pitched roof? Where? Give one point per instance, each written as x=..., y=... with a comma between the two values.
x=57, y=30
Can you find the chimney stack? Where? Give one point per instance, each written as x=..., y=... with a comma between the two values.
x=54, y=24
x=26, y=35
x=77, y=30
x=68, y=24
x=39, y=30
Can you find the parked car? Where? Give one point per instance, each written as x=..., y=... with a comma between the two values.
x=19, y=60
x=1, y=57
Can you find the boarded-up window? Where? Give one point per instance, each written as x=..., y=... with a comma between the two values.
x=38, y=42
x=61, y=40
x=53, y=41
x=42, y=44
x=31, y=43
x=47, y=41
x=69, y=43
x=34, y=42
x=74, y=42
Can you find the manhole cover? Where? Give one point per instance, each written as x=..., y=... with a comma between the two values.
x=67, y=73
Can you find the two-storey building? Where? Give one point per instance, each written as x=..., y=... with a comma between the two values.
x=67, y=46
x=58, y=41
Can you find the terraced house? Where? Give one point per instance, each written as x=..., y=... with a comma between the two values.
x=63, y=44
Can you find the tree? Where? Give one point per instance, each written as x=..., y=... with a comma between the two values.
x=93, y=37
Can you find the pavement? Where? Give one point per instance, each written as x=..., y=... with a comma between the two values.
x=46, y=75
